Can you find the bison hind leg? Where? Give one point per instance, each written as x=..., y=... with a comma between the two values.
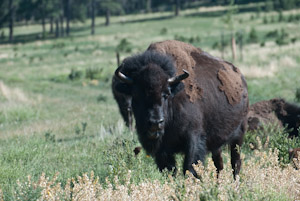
x=235, y=145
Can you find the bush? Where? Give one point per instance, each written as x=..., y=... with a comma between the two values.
x=283, y=38
x=93, y=73
x=272, y=137
x=75, y=74
x=253, y=38
x=163, y=31
x=124, y=46
x=272, y=34
x=265, y=20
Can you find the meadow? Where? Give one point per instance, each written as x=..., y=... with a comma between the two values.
x=62, y=137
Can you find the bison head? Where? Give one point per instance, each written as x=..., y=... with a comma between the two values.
x=151, y=90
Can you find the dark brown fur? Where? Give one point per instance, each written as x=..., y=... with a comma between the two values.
x=276, y=112
x=196, y=120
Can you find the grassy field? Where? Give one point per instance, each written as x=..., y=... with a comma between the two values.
x=57, y=113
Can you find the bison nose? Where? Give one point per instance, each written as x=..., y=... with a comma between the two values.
x=156, y=124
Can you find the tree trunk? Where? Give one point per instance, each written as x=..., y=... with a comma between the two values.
x=107, y=16
x=93, y=18
x=43, y=20
x=148, y=6
x=56, y=27
x=233, y=47
x=51, y=25
x=11, y=20
x=44, y=26
x=62, y=30
x=177, y=7
x=68, y=17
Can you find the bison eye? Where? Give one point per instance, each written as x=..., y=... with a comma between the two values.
x=165, y=96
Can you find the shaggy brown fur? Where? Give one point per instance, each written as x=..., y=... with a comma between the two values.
x=192, y=59
x=232, y=85
x=277, y=112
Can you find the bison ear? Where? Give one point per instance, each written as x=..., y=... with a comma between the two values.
x=176, y=88
x=123, y=88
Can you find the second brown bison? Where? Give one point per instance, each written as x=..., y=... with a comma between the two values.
x=275, y=111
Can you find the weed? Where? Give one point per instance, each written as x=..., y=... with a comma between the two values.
x=253, y=38
x=124, y=46
x=81, y=130
x=163, y=31
x=49, y=137
x=101, y=98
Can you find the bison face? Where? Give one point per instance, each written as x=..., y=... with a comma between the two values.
x=151, y=90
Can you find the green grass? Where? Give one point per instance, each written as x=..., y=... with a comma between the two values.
x=42, y=111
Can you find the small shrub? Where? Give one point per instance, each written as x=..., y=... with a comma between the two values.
x=75, y=74
x=253, y=38
x=163, y=31
x=49, y=137
x=262, y=44
x=283, y=38
x=272, y=34
x=124, y=46
x=291, y=18
x=265, y=20
x=101, y=98
x=81, y=130
x=93, y=73
x=272, y=137
x=216, y=45
x=293, y=40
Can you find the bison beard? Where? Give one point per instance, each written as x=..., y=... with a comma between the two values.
x=175, y=113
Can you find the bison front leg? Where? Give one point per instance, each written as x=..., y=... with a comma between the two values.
x=195, y=152
x=165, y=160
x=218, y=160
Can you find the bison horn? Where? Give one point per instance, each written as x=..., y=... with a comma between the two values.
x=123, y=77
x=177, y=79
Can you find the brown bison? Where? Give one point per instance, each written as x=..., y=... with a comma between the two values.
x=189, y=111
x=275, y=111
